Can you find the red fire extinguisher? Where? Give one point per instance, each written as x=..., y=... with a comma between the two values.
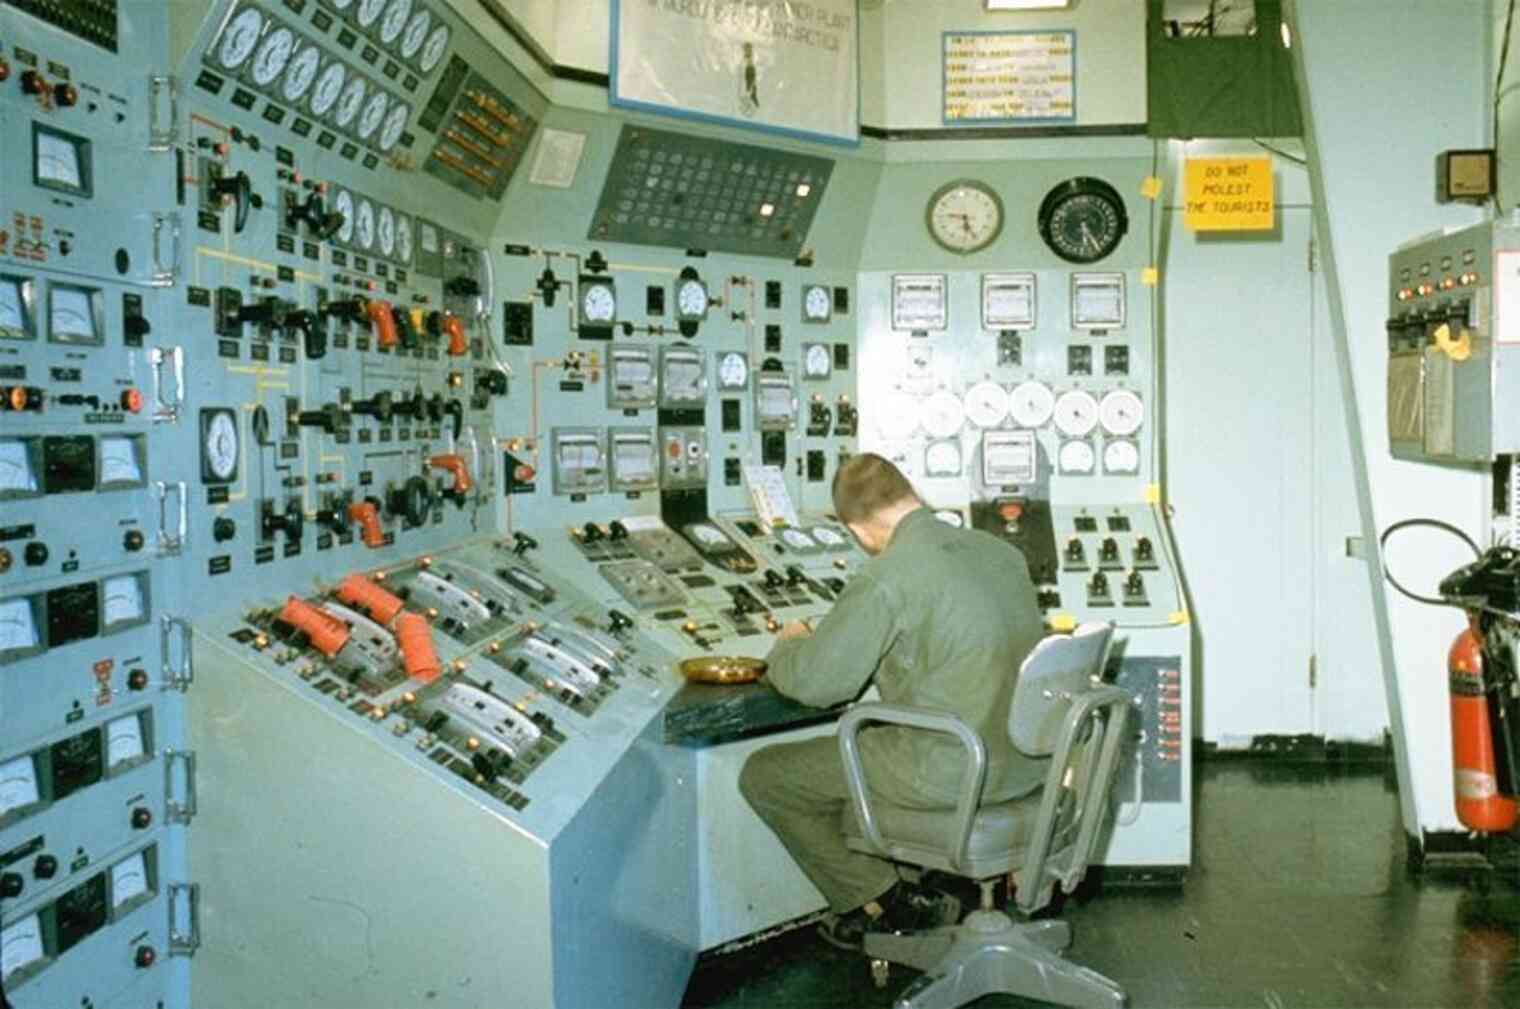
x=1480, y=805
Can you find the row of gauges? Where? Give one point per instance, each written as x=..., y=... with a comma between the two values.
x=599, y=303
x=1082, y=220
x=921, y=301
x=32, y=624
x=405, y=27
x=1010, y=458
x=71, y=464
x=372, y=228
x=75, y=314
x=283, y=64
x=31, y=782
x=1032, y=404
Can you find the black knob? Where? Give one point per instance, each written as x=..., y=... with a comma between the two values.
x=132, y=540
x=412, y=408
x=264, y=312
x=795, y=576
x=616, y=531
x=329, y=417
x=469, y=287
x=454, y=410
x=1109, y=550
x=1074, y=550
x=347, y=309
x=137, y=326
x=45, y=867
x=378, y=406
x=591, y=533
x=413, y=501
x=35, y=554
x=618, y=621
x=292, y=522
x=436, y=408
x=773, y=578
x=335, y=515
x=1144, y=550
x=223, y=529
x=137, y=679
x=492, y=382
x=321, y=222
x=1098, y=585
x=1134, y=585
x=313, y=336
x=522, y=543
x=142, y=818
x=11, y=884
x=240, y=188
x=144, y=958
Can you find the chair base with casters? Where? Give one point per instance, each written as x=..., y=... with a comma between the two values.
x=1061, y=709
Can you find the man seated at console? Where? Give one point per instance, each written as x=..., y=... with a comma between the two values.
x=941, y=618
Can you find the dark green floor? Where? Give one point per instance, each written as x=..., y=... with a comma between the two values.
x=1299, y=897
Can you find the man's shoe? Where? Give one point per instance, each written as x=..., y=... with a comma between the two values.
x=845, y=931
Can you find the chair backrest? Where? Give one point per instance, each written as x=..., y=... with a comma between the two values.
x=1059, y=666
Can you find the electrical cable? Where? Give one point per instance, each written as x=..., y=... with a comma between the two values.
x=1509, y=21
x=1433, y=524
x=1279, y=152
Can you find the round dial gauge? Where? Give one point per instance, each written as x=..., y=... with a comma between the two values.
x=274, y=52
x=708, y=535
x=943, y=414
x=691, y=297
x=1076, y=413
x=364, y=224
x=343, y=206
x=368, y=11
x=239, y=39
x=302, y=71
x=329, y=86
x=1031, y=404
x=797, y=539
x=341, y=5
x=598, y=303
x=432, y=52
x=395, y=125
x=951, y=517
x=965, y=215
x=1083, y=220
x=416, y=33
x=404, y=239
x=899, y=416
x=374, y=112
x=987, y=404
x=1077, y=457
x=733, y=371
x=816, y=303
x=1121, y=412
x=349, y=101
x=395, y=20
x=828, y=537
x=817, y=362
x=386, y=231
x=1121, y=457
x=943, y=458
x=221, y=446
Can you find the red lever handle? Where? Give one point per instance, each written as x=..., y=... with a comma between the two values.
x=328, y=634
x=455, y=465
x=454, y=328
x=368, y=518
x=384, y=322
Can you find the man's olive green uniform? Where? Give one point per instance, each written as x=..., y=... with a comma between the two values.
x=942, y=618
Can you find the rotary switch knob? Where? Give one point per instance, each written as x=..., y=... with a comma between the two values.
x=320, y=221
x=413, y=501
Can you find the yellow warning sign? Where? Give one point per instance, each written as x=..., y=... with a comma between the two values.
x=1228, y=194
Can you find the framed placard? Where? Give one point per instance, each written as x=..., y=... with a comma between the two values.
x=1010, y=77
x=780, y=66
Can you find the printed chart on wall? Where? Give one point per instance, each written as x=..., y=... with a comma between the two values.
x=1010, y=77
x=783, y=66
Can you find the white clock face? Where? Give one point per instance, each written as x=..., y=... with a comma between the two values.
x=816, y=304
x=1076, y=413
x=395, y=20
x=943, y=414
x=1121, y=412
x=303, y=70
x=386, y=228
x=987, y=404
x=965, y=216
x=416, y=33
x=343, y=205
x=329, y=87
x=437, y=45
x=1031, y=404
x=395, y=125
x=374, y=112
x=364, y=224
x=1077, y=457
x=369, y=10
x=349, y=101
x=816, y=361
x=221, y=446
x=404, y=239
x=274, y=52
x=240, y=38
x=691, y=298
x=943, y=458
x=1121, y=457
x=598, y=304
x=733, y=371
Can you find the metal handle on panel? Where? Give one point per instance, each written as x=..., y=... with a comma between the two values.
x=164, y=274
x=176, y=677
x=178, y=810
x=172, y=541
x=164, y=408
x=162, y=135
x=184, y=931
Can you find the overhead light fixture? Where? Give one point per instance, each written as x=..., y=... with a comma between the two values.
x=1027, y=5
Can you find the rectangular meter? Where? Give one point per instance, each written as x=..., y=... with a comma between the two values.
x=1008, y=301
x=18, y=787
x=124, y=602
x=17, y=304
x=129, y=741
x=75, y=315
x=683, y=377
x=20, y=461
x=634, y=459
x=132, y=882
x=1008, y=458
x=1097, y=301
x=579, y=460
x=775, y=401
x=920, y=301
x=121, y=461
x=631, y=383
x=20, y=628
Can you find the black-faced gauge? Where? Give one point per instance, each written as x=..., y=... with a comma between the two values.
x=350, y=101
x=329, y=86
x=122, y=601
x=273, y=53
x=239, y=39
x=374, y=114
x=416, y=33
x=598, y=302
x=343, y=206
x=404, y=238
x=219, y=445
x=1076, y=413
x=71, y=315
x=15, y=309
x=368, y=11
x=1121, y=412
x=18, y=478
x=119, y=464
x=18, y=777
x=1083, y=220
x=364, y=224
x=1121, y=457
x=817, y=303
x=395, y=125
x=692, y=302
x=943, y=414
x=124, y=738
x=385, y=229
x=987, y=404
x=942, y=459
x=432, y=52
x=1031, y=404
x=964, y=216
x=817, y=361
x=300, y=74
x=733, y=370
x=1077, y=458
x=129, y=880
x=395, y=20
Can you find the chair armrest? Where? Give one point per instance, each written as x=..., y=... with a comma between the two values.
x=970, y=794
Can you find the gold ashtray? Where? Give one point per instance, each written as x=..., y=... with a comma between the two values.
x=723, y=669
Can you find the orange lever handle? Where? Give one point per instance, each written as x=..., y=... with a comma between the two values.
x=455, y=465
x=384, y=322
x=357, y=590
x=368, y=518
x=328, y=634
x=458, y=345
x=417, y=653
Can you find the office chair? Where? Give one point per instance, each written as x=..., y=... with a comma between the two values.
x=1061, y=709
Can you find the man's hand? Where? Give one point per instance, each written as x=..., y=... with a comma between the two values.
x=794, y=629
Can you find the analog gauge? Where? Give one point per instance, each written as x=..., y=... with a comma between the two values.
x=965, y=216
x=57, y=161
x=329, y=87
x=395, y=20
x=219, y=446
x=1083, y=220
x=386, y=231
x=395, y=125
x=951, y=518
x=364, y=224
x=432, y=52
x=343, y=206
x=899, y=416
x=274, y=52
x=598, y=304
x=1121, y=412
x=987, y=404
x=1031, y=404
x=943, y=414
x=340, y=5
x=1121, y=457
x=20, y=945
x=374, y=114
x=302, y=71
x=13, y=313
x=18, y=629
x=71, y=318
x=733, y=370
x=240, y=38
x=828, y=537
x=691, y=297
x=18, y=783
x=707, y=535
x=123, y=600
x=943, y=458
x=368, y=11
x=403, y=238
x=817, y=361
x=129, y=880
x=16, y=474
x=1076, y=413
x=817, y=305
x=416, y=33
x=349, y=101
x=797, y=540
x=124, y=740
x=1077, y=457
x=118, y=461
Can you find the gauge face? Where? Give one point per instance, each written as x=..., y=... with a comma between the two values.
x=416, y=33
x=349, y=101
x=816, y=303
x=302, y=71
x=329, y=87
x=965, y=216
x=124, y=740
x=219, y=447
x=70, y=316
x=817, y=361
x=368, y=11
x=20, y=944
x=828, y=537
x=343, y=204
x=943, y=414
x=118, y=461
x=899, y=417
x=18, y=783
x=691, y=298
x=598, y=303
x=987, y=404
x=239, y=39
x=123, y=600
x=943, y=458
x=404, y=239
x=707, y=535
x=17, y=628
x=1121, y=412
x=733, y=371
x=1076, y=413
x=16, y=473
x=364, y=224
x=374, y=114
x=395, y=20
x=1083, y=220
x=129, y=880
x=1031, y=404
x=386, y=231
x=274, y=52
x=797, y=539
x=13, y=311
x=1121, y=457
x=1077, y=457
x=395, y=125
x=58, y=161
x=432, y=52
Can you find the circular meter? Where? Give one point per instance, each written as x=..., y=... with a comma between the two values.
x=364, y=224
x=733, y=370
x=1077, y=457
x=1121, y=457
x=395, y=20
x=387, y=231
x=329, y=86
x=944, y=414
x=816, y=303
x=374, y=114
x=987, y=404
x=598, y=303
x=349, y=101
x=274, y=52
x=302, y=71
x=1076, y=413
x=404, y=238
x=1031, y=404
x=817, y=362
x=416, y=33
x=432, y=52
x=395, y=124
x=240, y=38
x=1121, y=412
x=943, y=458
x=899, y=416
x=343, y=206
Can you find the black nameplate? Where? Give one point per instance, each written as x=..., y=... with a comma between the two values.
x=287, y=355
x=326, y=139
x=381, y=270
x=366, y=477
x=391, y=69
x=339, y=257
x=274, y=114
x=400, y=275
x=220, y=565
x=227, y=348
x=385, y=434
x=290, y=449
x=346, y=38
x=409, y=82
x=259, y=352
x=292, y=548
x=287, y=245
x=300, y=127
x=322, y=20
x=285, y=156
x=217, y=495
x=572, y=386
x=244, y=99
x=209, y=81
x=311, y=250
x=370, y=161
x=366, y=436
x=325, y=541
x=199, y=296
x=263, y=555
x=25, y=532
x=286, y=274
x=348, y=151
x=370, y=54
x=361, y=264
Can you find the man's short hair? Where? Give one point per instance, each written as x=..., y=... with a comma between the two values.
x=867, y=484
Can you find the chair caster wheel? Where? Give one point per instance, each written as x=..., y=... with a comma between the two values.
x=879, y=971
